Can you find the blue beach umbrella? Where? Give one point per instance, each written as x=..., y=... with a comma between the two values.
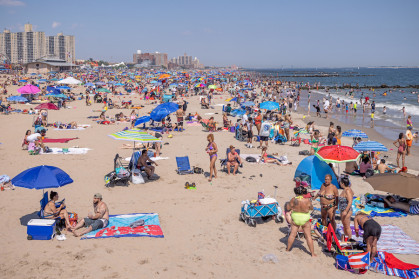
x=163, y=110
x=17, y=99
x=89, y=84
x=63, y=87
x=370, y=146
x=269, y=105
x=355, y=134
x=142, y=119
x=42, y=177
x=247, y=104
x=238, y=112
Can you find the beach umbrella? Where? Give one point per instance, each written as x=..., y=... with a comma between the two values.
x=135, y=135
x=29, y=89
x=62, y=87
x=269, y=105
x=355, y=134
x=247, y=104
x=164, y=76
x=212, y=86
x=23, y=80
x=89, y=84
x=50, y=106
x=56, y=95
x=17, y=99
x=54, y=79
x=403, y=184
x=142, y=119
x=370, y=146
x=337, y=154
x=42, y=177
x=103, y=90
x=163, y=110
x=69, y=80
x=238, y=112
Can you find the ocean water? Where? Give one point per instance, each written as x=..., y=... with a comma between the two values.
x=390, y=124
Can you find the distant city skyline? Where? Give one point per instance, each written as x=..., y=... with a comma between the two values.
x=268, y=34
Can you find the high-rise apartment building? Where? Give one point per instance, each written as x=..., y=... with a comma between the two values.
x=27, y=46
x=150, y=59
x=186, y=61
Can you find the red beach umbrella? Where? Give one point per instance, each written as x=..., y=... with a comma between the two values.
x=337, y=154
x=47, y=106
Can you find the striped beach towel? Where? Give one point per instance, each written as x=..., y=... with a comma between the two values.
x=394, y=240
x=387, y=264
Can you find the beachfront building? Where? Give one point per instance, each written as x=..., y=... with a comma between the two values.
x=186, y=61
x=155, y=59
x=28, y=46
x=48, y=64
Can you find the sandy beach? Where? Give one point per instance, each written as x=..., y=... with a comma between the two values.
x=203, y=237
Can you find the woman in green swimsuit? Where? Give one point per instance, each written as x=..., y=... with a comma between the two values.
x=300, y=208
x=315, y=143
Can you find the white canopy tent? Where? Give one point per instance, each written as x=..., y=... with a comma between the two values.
x=69, y=80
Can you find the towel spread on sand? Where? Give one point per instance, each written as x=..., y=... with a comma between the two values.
x=128, y=159
x=388, y=264
x=79, y=128
x=376, y=211
x=71, y=151
x=63, y=140
x=193, y=123
x=392, y=240
x=119, y=226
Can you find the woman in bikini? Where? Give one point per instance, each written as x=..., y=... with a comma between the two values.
x=328, y=200
x=287, y=123
x=265, y=159
x=258, y=121
x=52, y=211
x=212, y=152
x=400, y=143
x=315, y=143
x=300, y=207
x=345, y=205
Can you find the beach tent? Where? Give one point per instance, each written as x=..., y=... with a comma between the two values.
x=313, y=170
x=69, y=80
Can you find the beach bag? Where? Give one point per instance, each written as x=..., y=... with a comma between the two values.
x=121, y=172
x=369, y=173
x=251, y=159
x=198, y=170
x=304, y=152
x=137, y=179
x=73, y=218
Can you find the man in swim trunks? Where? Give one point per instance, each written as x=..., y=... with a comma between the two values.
x=97, y=220
x=142, y=164
x=300, y=215
x=405, y=206
x=179, y=114
x=372, y=231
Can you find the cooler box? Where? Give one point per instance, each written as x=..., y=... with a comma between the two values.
x=41, y=229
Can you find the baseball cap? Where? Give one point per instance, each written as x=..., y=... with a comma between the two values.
x=98, y=196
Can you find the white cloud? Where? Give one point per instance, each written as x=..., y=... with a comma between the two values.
x=55, y=24
x=11, y=3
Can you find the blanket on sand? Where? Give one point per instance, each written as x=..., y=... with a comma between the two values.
x=63, y=140
x=119, y=226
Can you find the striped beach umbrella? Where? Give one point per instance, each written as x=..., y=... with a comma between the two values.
x=370, y=146
x=355, y=134
x=135, y=135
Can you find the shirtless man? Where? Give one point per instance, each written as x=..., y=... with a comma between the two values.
x=382, y=167
x=300, y=207
x=142, y=164
x=97, y=220
x=372, y=231
x=405, y=206
x=179, y=114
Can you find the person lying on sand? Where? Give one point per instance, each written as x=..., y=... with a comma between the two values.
x=97, y=220
x=405, y=206
x=265, y=159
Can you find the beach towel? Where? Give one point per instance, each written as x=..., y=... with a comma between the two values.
x=63, y=140
x=119, y=226
x=193, y=123
x=257, y=157
x=375, y=211
x=388, y=264
x=71, y=151
x=392, y=240
x=128, y=159
x=79, y=128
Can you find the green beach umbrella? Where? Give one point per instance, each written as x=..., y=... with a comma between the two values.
x=135, y=135
x=212, y=86
x=103, y=90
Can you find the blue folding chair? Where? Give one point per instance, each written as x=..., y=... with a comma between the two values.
x=183, y=166
x=224, y=161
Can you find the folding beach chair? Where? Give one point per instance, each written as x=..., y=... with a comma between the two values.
x=224, y=161
x=183, y=166
x=340, y=247
x=44, y=201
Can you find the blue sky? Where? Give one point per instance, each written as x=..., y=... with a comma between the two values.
x=269, y=33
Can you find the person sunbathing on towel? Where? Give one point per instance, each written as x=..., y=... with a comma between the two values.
x=97, y=220
x=142, y=164
x=52, y=210
x=265, y=159
x=233, y=160
x=300, y=207
x=404, y=206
